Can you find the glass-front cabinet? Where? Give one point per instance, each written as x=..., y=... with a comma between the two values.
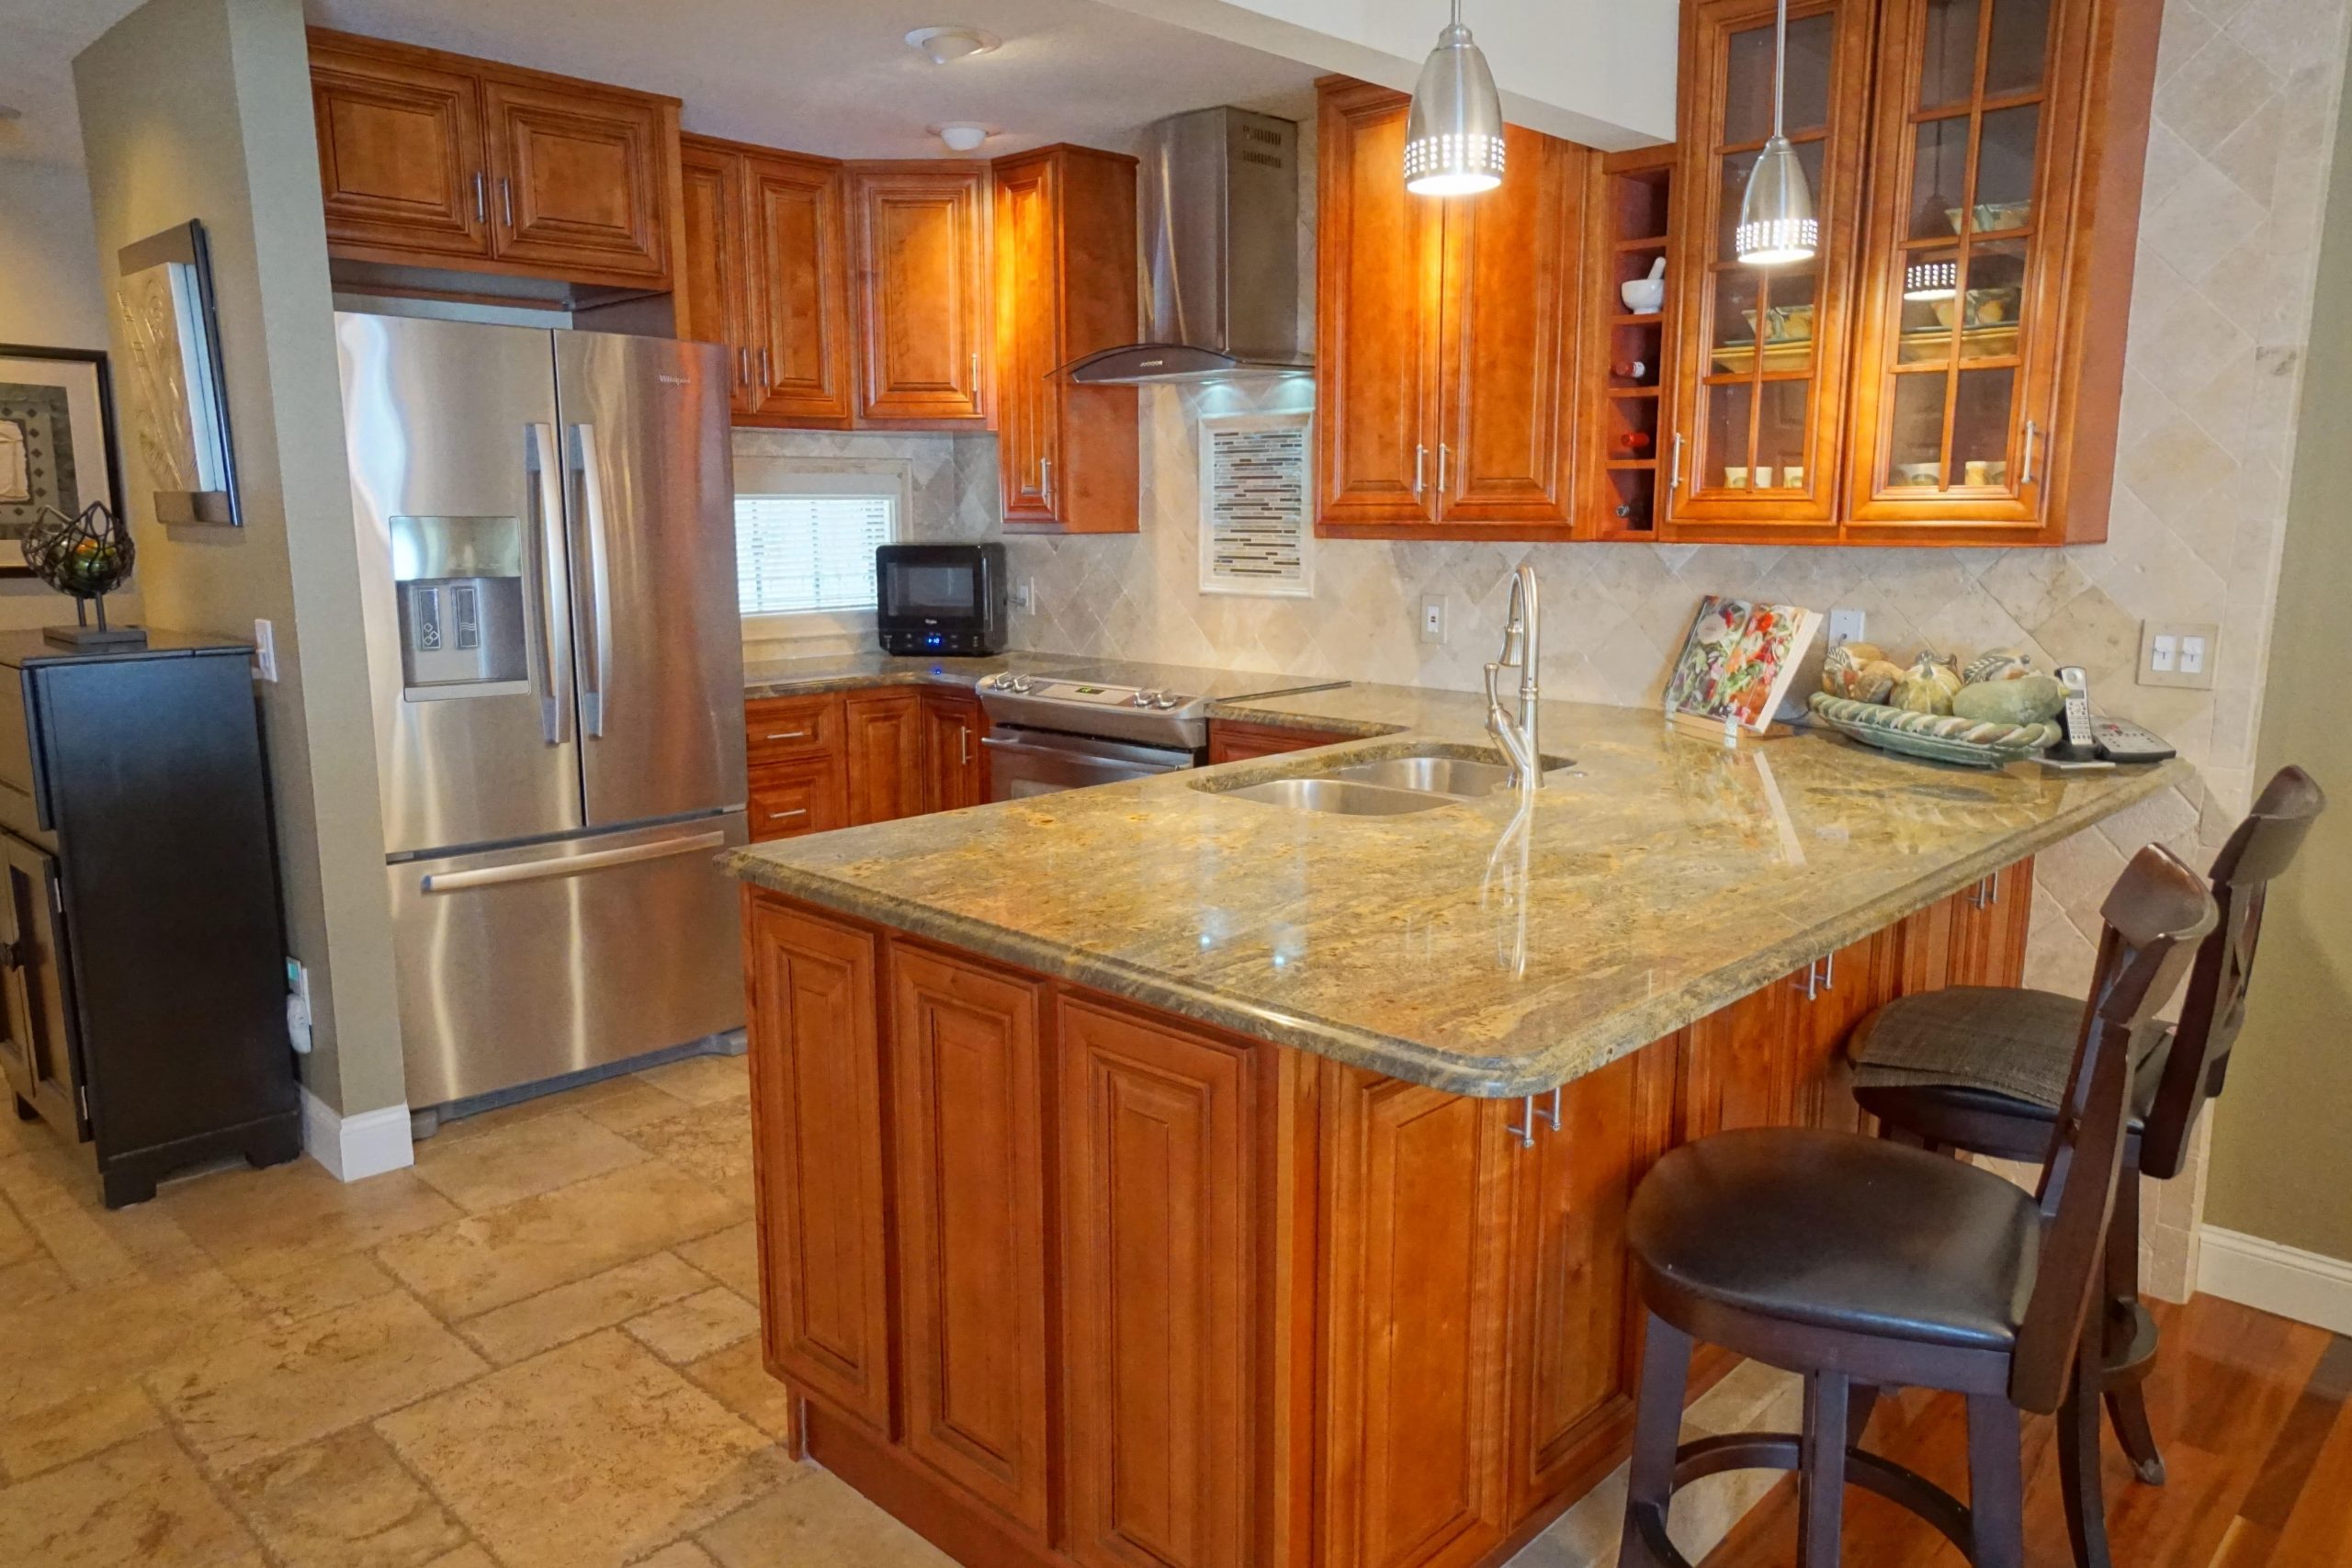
x=1763, y=400
x=1963, y=301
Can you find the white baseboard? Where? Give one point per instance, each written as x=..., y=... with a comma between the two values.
x=2308, y=1287
x=355, y=1148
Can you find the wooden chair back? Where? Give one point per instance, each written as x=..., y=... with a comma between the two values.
x=2157, y=909
x=2262, y=847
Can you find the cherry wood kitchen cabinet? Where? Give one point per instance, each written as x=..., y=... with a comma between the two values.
x=882, y=737
x=1975, y=938
x=1064, y=239
x=1447, y=334
x=798, y=774
x=715, y=290
x=918, y=257
x=440, y=159
x=955, y=764
x=1948, y=371
x=800, y=342
x=1233, y=741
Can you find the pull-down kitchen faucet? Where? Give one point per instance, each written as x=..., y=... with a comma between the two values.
x=1523, y=643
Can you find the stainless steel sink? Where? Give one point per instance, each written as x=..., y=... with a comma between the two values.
x=1342, y=798
x=1459, y=776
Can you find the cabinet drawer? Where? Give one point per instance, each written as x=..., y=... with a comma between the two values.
x=780, y=728
x=788, y=799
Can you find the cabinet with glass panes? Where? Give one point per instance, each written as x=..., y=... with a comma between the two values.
x=1948, y=368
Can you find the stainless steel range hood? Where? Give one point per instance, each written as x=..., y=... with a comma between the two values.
x=1220, y=205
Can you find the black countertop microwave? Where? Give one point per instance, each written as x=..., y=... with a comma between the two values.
x=947, y=599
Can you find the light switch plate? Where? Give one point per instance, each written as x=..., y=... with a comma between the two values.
x=1433, y=618
x=2178, y=653
x=1844, y=626
x=264, y=651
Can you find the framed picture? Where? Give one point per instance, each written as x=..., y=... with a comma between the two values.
x=178, y=407
x=57, y=441
x=1257, y=525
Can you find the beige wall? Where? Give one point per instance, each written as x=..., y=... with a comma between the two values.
x=2282, y=1165
x=201, y=108
x=50, y=298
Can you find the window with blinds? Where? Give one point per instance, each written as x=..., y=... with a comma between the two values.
x=798, y=552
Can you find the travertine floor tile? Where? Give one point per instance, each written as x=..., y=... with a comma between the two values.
x=345, y=1503
x=34, y=1280
x=697, y=1326
x=76, y=1428
x=816, y=1518
x=306, y=1287
x=711, y=1143
x=144, y=1503
x=702, y=1080
x=58, y=1202
x=637, y=1455
x=466, y=1556
x=290, y=1383
x=92, y=1339
x=678, y=1554
x=534, y=1157
x=736, y=1378
x=490, y=1259
x=624, y=1104
x=298, y=1211
x=731, y=1257
x=17, y=1242
x=553, y=1317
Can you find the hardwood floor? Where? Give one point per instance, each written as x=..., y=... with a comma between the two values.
x=2252, y=1413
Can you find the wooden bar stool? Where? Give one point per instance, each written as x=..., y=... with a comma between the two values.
x=1864, y=1265
x=1981, y=1069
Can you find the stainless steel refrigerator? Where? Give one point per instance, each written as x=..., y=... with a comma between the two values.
x=548, y=574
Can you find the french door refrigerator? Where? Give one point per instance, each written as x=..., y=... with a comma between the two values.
x=547, y=576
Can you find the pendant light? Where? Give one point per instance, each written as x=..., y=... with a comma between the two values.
x=1775, y=222
x=1453, y=138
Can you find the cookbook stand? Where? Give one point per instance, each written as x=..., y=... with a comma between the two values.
x=1727, y=732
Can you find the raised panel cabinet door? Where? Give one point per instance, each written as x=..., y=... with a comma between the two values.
x=967, y=1131
x=799, y=333
x=714, y=291
x=1759, y=392
x=817, y=1144
x=1028, y=282
x=1232, y=742
x=1158, y=1202
x=1737, y=1071
x=400, y=154
x=1415, y=1220
x=1379, y=262
x=788, y=799
x=1832, y=996
x=577, y=179
x=1507, y=437
x=955, y=769
x=919, y=244
x=1989, y=927
x=884, y=732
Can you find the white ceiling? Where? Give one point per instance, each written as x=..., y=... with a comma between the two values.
x=828, y=76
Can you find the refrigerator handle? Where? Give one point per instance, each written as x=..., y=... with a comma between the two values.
x=569, y=865
x=546, y=464
x=593, y=701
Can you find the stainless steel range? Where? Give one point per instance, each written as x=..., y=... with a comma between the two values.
x=1053, y=733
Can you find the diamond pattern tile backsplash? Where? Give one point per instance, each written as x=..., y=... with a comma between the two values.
x=2238, y=175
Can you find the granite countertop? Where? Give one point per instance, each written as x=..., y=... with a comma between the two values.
x=1474, y=948
x=852, y=671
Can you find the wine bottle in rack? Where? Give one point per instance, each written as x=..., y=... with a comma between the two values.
x=1634, y=370
x=1634, y=440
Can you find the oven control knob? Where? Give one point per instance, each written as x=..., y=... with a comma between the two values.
x=1165, y=700
x=1018, y=682
x=1142, y=698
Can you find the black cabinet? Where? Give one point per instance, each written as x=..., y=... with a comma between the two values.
x=141, y=939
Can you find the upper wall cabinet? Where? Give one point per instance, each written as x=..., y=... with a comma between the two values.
x=919, y=253
x=1446, y=335
x=1065, y=243
x=1949, y=369
x=437, y=160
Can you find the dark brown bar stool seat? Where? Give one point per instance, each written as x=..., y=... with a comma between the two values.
x=1982, y=1069
x=1864, y=1265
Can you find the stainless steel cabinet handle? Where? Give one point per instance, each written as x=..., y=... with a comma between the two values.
x=1525, y=1132
x=976, y=375
x=570, y=866
x=545, y=463
x=1829, y=973
x=2033, y=431
x=1045, y=478
x=790, y=734
x=1674, y=484
x=596, y=702
x=482, y=202
x=767, y=375
x=787, y=816
x=507, y=199
x=744, y=366
x=1444, y=453
x=963, y=744
x=1421, y=456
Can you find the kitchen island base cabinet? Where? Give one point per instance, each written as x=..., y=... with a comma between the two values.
x=1065, y=1280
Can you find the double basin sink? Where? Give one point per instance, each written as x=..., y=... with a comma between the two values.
x=1421, y=780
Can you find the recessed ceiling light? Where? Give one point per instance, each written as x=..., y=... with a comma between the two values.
x=944, y=46
x=10, y=111
x=963, y=136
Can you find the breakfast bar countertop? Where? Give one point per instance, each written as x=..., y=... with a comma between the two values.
x=1480, y=947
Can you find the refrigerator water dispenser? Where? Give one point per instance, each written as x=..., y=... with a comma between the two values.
x=464, y=622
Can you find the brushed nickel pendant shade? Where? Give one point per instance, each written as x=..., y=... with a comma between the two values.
x=1454, y=137
x=1776, y=225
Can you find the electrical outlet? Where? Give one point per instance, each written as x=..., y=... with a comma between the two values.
x=264, y=651
x=297, y=1006
x=1024, y=595
x=2178, y=653
x=1433, y=618
x=1844, y=626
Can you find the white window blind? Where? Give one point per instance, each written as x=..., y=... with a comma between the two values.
x=801, y=552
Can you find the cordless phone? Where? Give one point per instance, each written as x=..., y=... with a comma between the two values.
x=2089, y=736
x=2077, y=742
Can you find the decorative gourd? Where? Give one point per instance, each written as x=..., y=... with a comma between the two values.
x=2029, y=698
x=1929, y=685
x=2000, y=664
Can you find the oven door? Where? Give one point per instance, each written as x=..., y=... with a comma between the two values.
x=1022, y=762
